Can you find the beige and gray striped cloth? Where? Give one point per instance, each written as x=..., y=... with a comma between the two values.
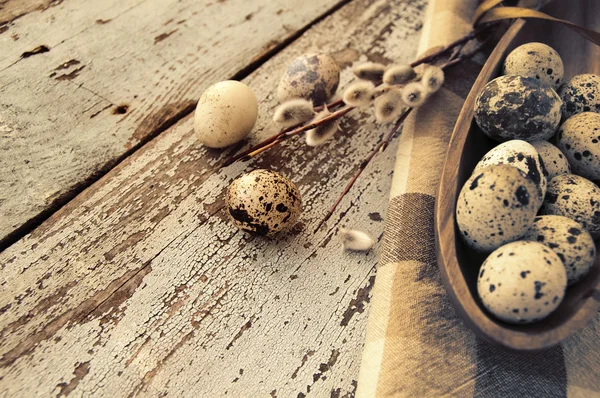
x=416, y=345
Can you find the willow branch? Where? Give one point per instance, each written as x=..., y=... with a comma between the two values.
x=282, y=135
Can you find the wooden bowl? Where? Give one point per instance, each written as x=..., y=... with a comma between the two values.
x=459, y=265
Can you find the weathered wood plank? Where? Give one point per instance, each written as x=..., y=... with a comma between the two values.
x=141, y=286
x=13, y=9
x=86, y=82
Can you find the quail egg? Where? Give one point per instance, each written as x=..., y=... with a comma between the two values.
x=264, y=202
x=517, y=107
x=554, y=160
x=521, y=155
x=579, y=139
x=574, y=197
x=225, y=114
x=571, y=243
x=313, y=77
x=536, y=60
x=522, y=282
x=580, y=94
x=496, y=205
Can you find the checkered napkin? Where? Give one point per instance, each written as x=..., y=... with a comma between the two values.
x=416, y=345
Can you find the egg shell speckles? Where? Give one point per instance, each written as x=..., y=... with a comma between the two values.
x=555, y=162
x=521, y=155
x=516, y=107
x=569, y=240
x=313, y=77
x=536, y=60
x=580, y=94
x=574, y=197
x=263, y=202
x=225, y=114
x=496, y=205
x=522, y=282
x=579, y=139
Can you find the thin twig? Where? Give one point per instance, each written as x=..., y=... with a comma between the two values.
x=264, y=148
x=380, y=147
x=330, y=105
x=456, y=52
x=465, y=55
x=254, y=148
x=282, y=136
x=334, y=115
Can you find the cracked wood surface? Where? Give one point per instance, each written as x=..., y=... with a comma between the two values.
x=141, y=287
x=85, y=83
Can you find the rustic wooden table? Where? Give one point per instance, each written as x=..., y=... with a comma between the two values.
x=120, y=274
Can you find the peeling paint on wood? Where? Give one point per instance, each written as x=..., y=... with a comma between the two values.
x=38, y=50
x=79, y=373
x=140, y=286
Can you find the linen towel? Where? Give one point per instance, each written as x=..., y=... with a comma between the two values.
x=416, y=345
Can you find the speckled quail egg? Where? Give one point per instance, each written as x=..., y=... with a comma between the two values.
x=516, y=107
x=264, y=202
x=569, y=240
x=554, y=160
x=496, y=205
x=225, y=114
x=536, y=60
x=313, y=77
x=522, y=282
x=574, y=197
x=579, y=139
x=580, y=94
x=521, y=155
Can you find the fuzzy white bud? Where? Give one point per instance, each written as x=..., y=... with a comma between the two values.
x=414, y=94
x=433, y=78
x=399, y=74
x=320, y=134
x=388, y=106
x=359, y=94
x=355, y=240
x=369, y=71
x=293, y=112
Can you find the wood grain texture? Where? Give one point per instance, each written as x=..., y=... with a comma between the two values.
x=459, y=264
x=141, y=286
x=84, y=83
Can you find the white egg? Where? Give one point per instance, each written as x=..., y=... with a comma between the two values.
x=579, y=139
x=225, y=114
x=574, y=197
x=264, y=202
x=554, y=160
x=521, y=155
x=522, y=282
x=496, y=205
x=569, y=240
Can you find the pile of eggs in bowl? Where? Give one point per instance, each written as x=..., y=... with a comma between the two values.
x=532, y=203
